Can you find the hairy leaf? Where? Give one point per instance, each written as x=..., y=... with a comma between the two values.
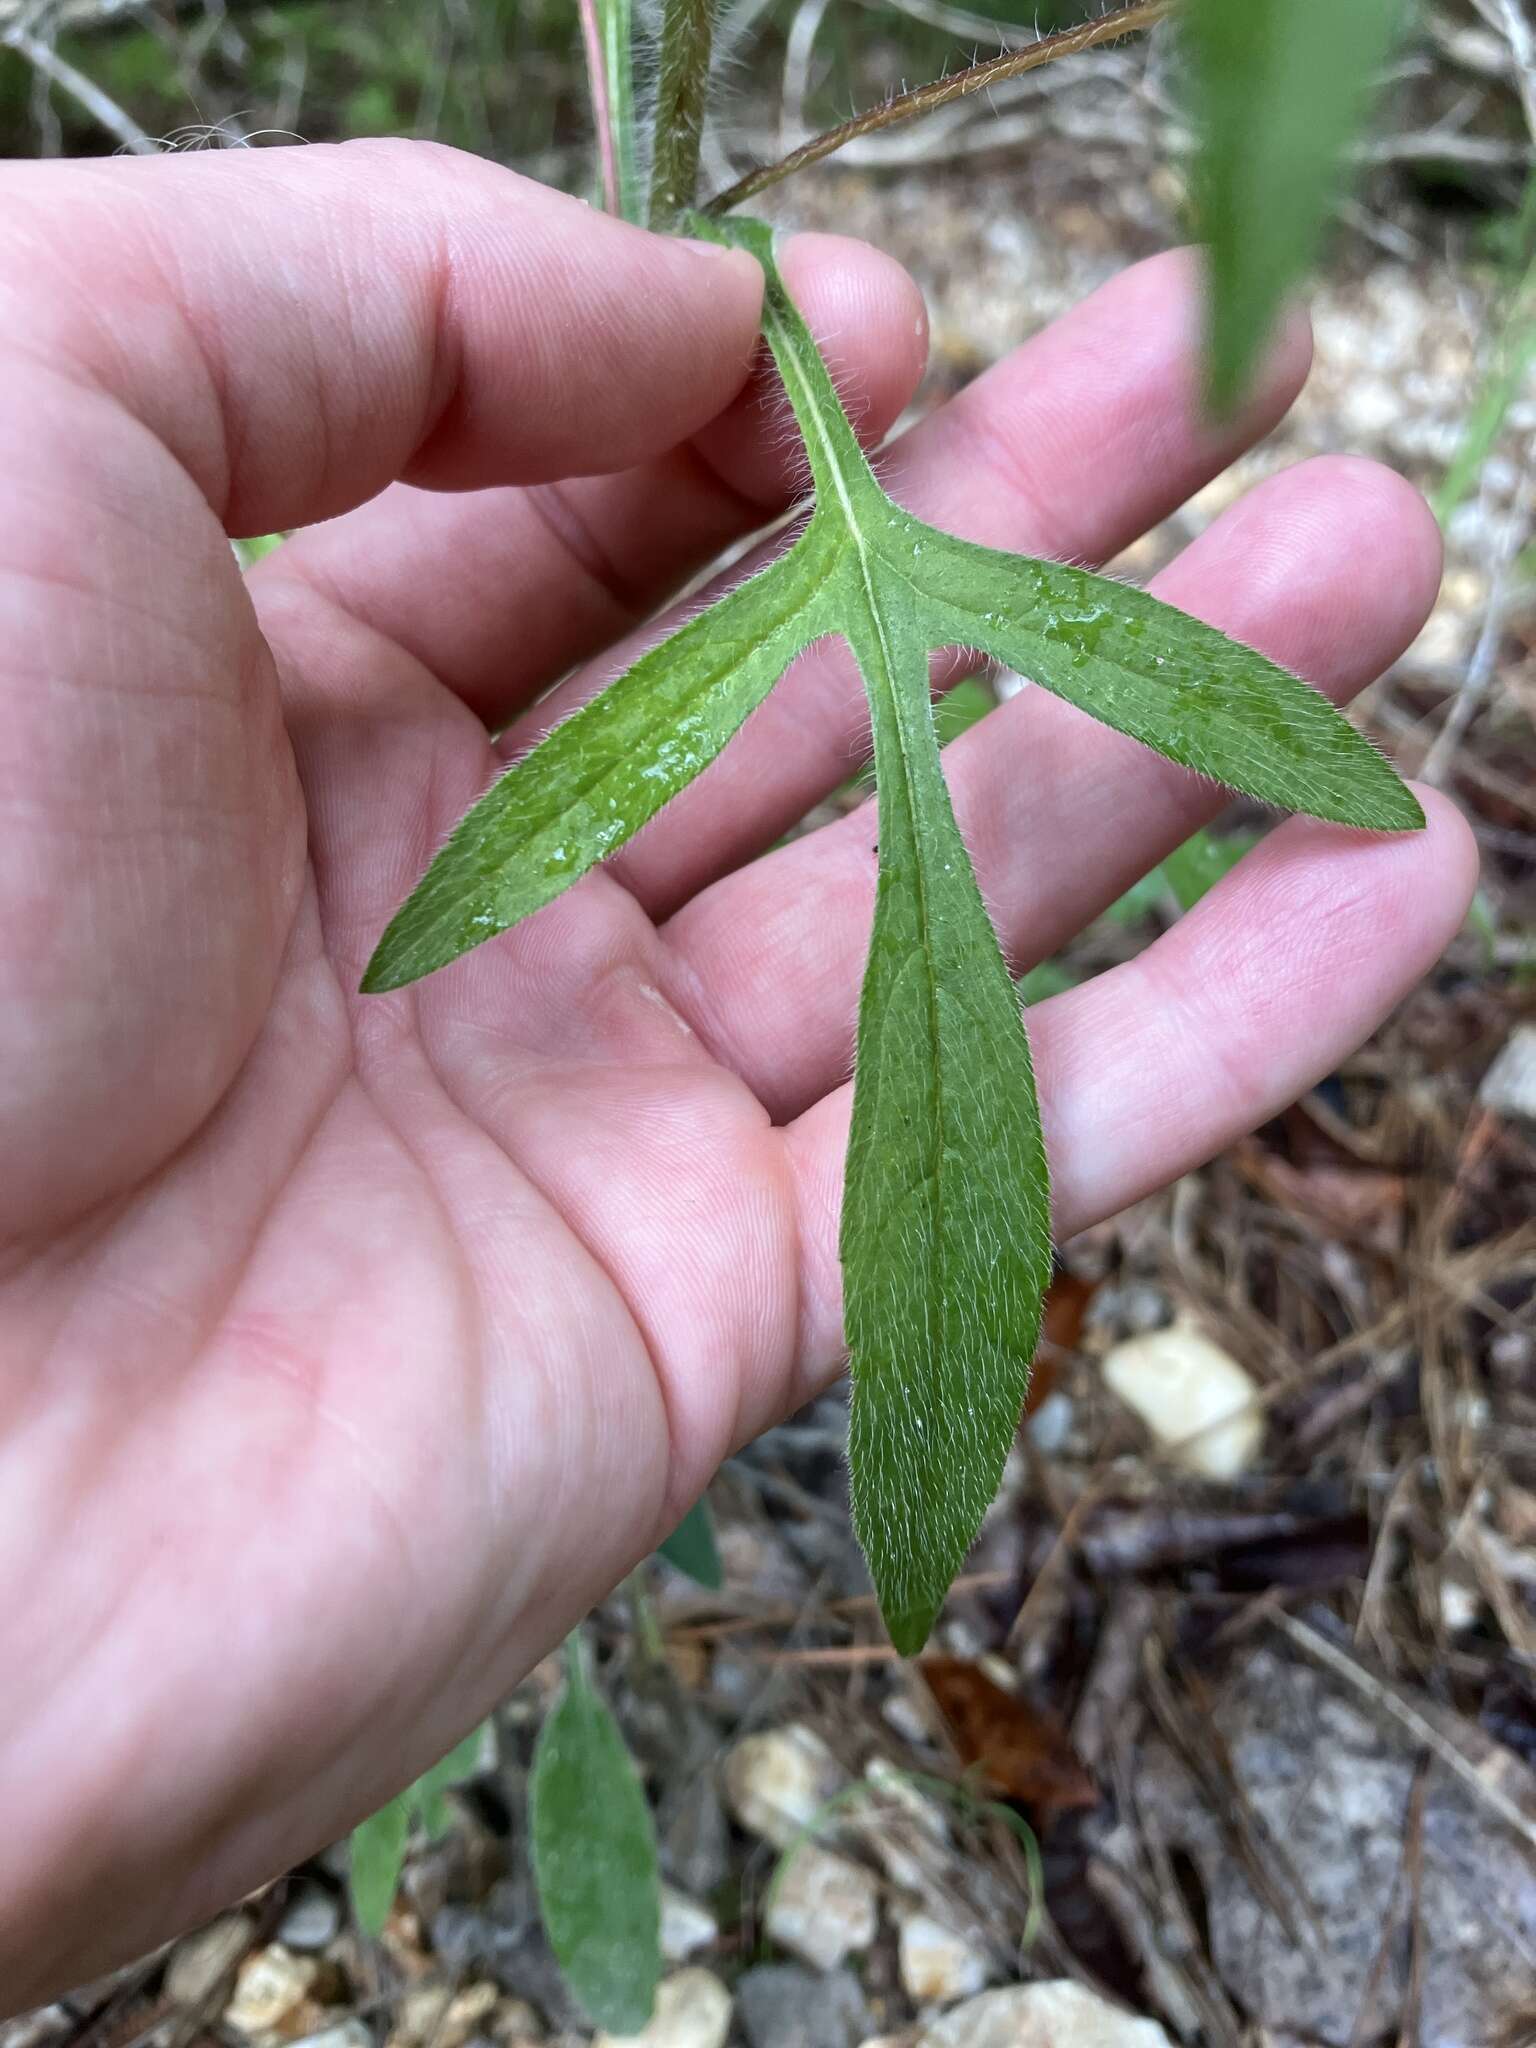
x=1154, y=672
x=596, y=779
x=378, y=1856
x=1280, y=85
x=691, y=1547
x=594, y=1856
x=945, y=1242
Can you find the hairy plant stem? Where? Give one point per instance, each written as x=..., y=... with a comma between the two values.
x=687, y=27
x=924, y=99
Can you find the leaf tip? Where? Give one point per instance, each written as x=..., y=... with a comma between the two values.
x=909, y=1627
x=1407, y=812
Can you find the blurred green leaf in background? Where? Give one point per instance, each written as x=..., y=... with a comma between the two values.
x=594, y=1855
x=1280, y=86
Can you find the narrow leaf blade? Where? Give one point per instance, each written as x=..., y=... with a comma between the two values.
x=378, y=1856
x=617, y=29
x=946, y=1212
x=596, y=779
x=691, y=1547
x=594, y=1857
x=1280, y=86
x=461, y=1762
x=1165, y=679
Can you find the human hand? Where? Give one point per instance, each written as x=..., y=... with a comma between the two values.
x=355, y=1346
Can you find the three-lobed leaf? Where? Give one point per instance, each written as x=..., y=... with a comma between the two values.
x=594, y=1856
x=1280, y=86
x=945, y=1239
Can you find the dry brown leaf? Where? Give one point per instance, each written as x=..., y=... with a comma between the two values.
x=1020, y=1753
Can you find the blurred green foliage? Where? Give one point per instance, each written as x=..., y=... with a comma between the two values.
x=503, y=77
x=499, y=76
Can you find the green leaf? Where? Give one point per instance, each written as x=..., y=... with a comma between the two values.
x=945, y=1236
x=594, y=1856
x=606, y=771
x=962, y=707
x=1280, y=86
x=691, y=1547
x=378, y=1856
x=946, y=1213
x=1194, y=868
x=946, y=1210
x=616, y=30
x=1162, y=677
x=945, y=1239
x=427, y=1794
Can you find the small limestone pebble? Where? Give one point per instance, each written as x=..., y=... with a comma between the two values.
x=825, y=1908
x=782, y=2005
x=437, y=2015
x=1192, y=1395
x=204, y=1959
x=348, y=2033
x=271, y=1993
x=310, y=1920
x=1509, y=1086
x=686, y=1926
x=937, y=1965
x=693, y=2010
x=901, y=1827
x=515, y=2023
x=1060, y=2014
x=777, y=1783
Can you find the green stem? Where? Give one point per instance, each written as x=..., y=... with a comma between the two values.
x=924, y=99
x=607, y=30
x=686, y=30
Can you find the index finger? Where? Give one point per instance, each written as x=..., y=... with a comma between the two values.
x=300, y=327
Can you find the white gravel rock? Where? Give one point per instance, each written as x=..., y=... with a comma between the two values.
x=348, y=2033
x=1192, y=1395
x=693, y=2010
x=826, y=1908
x=686, y=1926
x=777, y=1783
x=1060, y=2014
x=271, y=1987
x=1509, y=1086
x=902, y=1828
x=204, y=1958
x=311, y=1920
x=937, y=1964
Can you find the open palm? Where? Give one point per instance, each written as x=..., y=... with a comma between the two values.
x=354, y=1346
